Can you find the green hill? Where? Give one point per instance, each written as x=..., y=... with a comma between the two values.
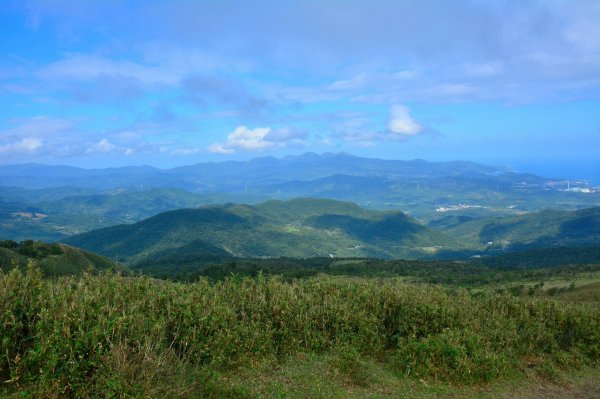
x=548, y=228
x=44, y=215
x=295, y=228
x=417, y=187
x=53, y=259
x=52, y=203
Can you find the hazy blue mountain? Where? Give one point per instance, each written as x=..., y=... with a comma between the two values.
x=233, y=175
x=52, y=202
x=44, y=194
x=269, y=170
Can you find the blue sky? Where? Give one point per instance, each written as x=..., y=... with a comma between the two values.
x=108, y=83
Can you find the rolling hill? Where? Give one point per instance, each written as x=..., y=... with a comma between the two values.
x=54, y=202
x=44, y=214
x=54, y=259
x=295, y=228
x=547, y=228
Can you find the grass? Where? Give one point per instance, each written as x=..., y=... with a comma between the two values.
x=319, y=376
x=582, y=287
x=111, y=336
x=588, y=293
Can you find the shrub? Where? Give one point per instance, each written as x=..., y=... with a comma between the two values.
x=92, y=336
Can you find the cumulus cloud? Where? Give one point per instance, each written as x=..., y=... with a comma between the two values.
x=214, y=63
x=401, y=123
x=29, y=136
x=258, y=139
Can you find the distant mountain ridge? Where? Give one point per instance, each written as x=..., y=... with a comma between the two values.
x=230, y=175
x=53, y=202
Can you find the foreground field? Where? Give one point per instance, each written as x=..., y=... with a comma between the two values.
x=112, y=336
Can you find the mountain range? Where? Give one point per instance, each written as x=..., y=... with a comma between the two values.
x=304, y=228
x=55, y=202
x=295, y=228
x=235, y=175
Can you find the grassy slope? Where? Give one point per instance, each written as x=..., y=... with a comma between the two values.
x=327, y=376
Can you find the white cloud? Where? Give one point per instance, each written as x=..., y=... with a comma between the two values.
x=356, y=128
x=258, y=139
x=185, y=151
x=250, y=139
x=401, y=123
x=161, y=65
x=26, y=145
x=30, y=144
x=38, y=126
x=287, y=135
x=103, y=147
x=83, y=67
x=369, y=80
x=218, y=148
x=353, y=83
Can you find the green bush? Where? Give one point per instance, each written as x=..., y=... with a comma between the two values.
x=114, y=336
x=10, y=244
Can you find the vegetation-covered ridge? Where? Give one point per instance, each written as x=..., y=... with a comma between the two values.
x=53, y=259
x=113, y=336
x=189, y=239
x=546, y=228
x=301, y=227
x=54, y=202
x=56, y=213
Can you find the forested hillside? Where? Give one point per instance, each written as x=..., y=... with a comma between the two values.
x=301, y=228
x=53, y=259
